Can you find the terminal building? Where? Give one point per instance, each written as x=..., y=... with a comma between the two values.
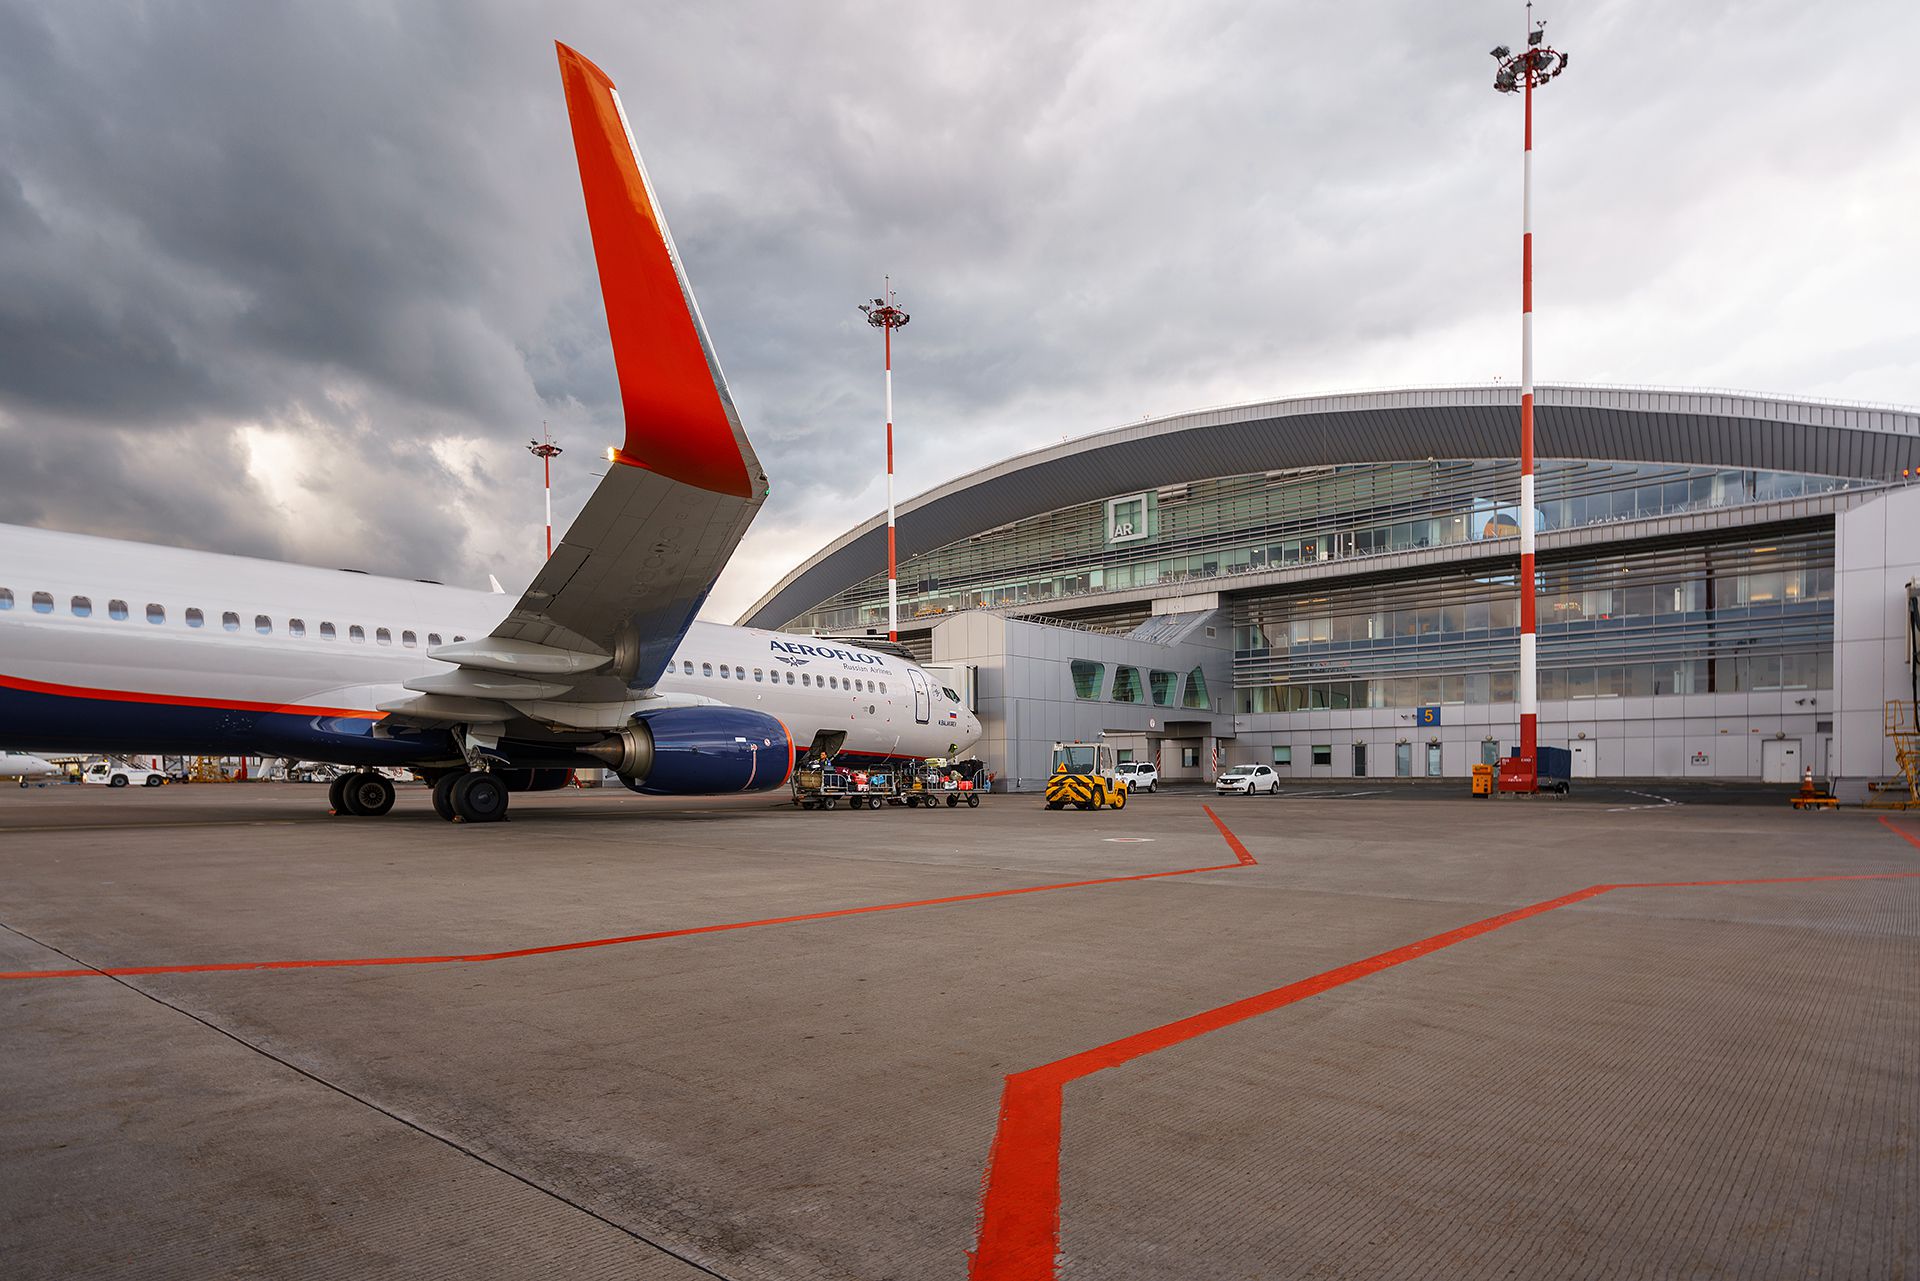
x=1327, y=585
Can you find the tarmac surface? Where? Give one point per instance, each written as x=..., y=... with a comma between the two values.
x=1628, y=1034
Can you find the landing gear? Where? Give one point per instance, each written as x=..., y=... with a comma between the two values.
x=443, y=794
x=361, y=795
x=477, y=798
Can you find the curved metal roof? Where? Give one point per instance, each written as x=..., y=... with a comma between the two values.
x=1615, y=424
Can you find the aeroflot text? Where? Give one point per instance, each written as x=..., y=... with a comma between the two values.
x=817, y=651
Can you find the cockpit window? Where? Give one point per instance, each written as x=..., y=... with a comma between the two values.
x=951, y=696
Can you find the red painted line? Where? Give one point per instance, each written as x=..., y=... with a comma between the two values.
x=1020, y=1202
x=1233, y=842
x=1244, y=859
x=1908, y=837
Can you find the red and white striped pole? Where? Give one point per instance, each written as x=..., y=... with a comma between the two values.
x=545, y=450
x=1534, y=66
x=883, y=315
x=1529, y=656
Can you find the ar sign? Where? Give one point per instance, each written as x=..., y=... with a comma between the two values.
x=1429, y=716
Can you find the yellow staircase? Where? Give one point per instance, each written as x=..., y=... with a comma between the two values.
x=1904, y=732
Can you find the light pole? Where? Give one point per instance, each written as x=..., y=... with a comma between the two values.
x=884, y=315
x=545, y=450
x=1533, y=66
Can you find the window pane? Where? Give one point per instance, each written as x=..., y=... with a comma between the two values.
x=357, y=634
x=82, y=607
x=706, y=669
x=1126, y=685
x=326, y=631
x=43, y=602
x=1196, y=695
x=1162, y=685
x=1323, y=753
x=1088, y=676
x=1283, y=755
x=156, y=613
x=383, y=636
x=264, y=625
x=194, y=617
x=687, y=667
x=409, y=639
x=296, y=627
x=433, y=639
x=6, y=598
x=229, y=620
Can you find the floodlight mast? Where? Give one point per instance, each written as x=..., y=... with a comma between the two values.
x=1535, y=65
x=546, y=451
x=883, y=314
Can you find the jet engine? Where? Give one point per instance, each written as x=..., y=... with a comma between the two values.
x=692, y=751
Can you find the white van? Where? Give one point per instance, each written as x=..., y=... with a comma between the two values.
x=120, y=774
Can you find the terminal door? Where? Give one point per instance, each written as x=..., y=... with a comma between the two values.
x=922, y=695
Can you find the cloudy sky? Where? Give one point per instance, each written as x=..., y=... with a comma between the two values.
x=300, y=280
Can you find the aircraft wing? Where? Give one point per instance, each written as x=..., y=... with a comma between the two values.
x=606, y=612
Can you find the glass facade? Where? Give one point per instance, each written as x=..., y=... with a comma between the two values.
x=1728, y=617
x=1249, y=523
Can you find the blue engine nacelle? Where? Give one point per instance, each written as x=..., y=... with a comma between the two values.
x=693, y=751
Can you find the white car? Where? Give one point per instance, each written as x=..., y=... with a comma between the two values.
x=120, y=774
x=1139, y=776
x=1248, y=780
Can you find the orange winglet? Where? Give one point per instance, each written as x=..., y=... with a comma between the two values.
x=677, y=424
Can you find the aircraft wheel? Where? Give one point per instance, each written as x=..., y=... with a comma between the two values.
x=366, y=794
x=336, y=796
x=443, y=794
x=478, y=798
x=973, y=802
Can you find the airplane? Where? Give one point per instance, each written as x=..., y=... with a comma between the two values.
x=23, y=766
x=107, y=645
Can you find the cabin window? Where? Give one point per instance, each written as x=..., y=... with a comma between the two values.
x=263, y=624
x=230, y=621
x=194, y=617
x=706, y=669
x=458, y=639
x=82, y=607
x=357, y=634
x=740, y=673
x=382, y=636
x=724, y=673
x=433, y=639
x=43, y=602
x=833, y=682
x=409, y=640
x=6, y=598
x=789, y=678
x=688, y=666
x=117, y=610
x=806, y=679
x=296, y=627
x=883, y=687
x=156, y=613
x=326, y=631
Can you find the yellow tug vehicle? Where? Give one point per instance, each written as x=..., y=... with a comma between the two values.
x=1084, y=776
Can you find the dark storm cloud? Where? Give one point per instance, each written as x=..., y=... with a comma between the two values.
x=304, y=279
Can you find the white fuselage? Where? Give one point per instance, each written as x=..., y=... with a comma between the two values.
x=190, y=645
x=22, y=766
